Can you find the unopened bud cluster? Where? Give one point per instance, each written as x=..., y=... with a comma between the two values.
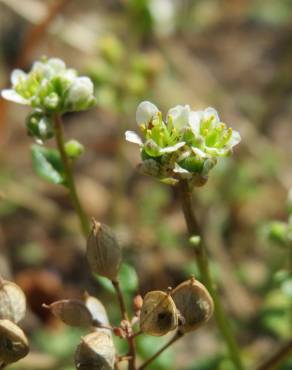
x=186, y=145
x=49, y=87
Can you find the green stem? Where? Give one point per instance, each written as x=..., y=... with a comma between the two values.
x=84, y=223
x=203, y=264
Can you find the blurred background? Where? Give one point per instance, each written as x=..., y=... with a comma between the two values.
x=235, y=56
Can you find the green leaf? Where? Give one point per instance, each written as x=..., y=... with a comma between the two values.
x=48, y=165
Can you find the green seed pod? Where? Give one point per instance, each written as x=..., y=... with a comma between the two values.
x=103, y=251
x=95, y=352
x=72, y=312
x=194, y=303
x=158, y=314
x=13, y=343
x=12, y=301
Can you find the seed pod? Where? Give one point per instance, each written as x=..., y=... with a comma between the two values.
x=13, y=343
x=158, y=314
x=95, y=352
x=12, y=301
x=103, y=251
x=72, y=312
x=97, y=310
x=194, y=303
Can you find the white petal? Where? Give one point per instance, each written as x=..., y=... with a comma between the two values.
x=180, y=115
x=173, y=148
x=179, y=169
x=57, y=64
x=235, y=139
x=220, y=152
x=132, y=137
x=145, y=112
x=17, y=75
x=11, y=95
x=211, y=112
x=199, y=152
x=195, y=120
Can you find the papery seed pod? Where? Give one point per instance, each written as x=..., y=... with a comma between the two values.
x=72, y=312
x=12, y=301
x=194, y=303
x=95, y=352
x=97, y=310
x=158, y=314
x=13, y=343
x=103, y=251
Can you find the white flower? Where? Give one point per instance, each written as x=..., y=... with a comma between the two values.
x=132, y=137
x=179, y=116
x=81, y=90
x=145, y=112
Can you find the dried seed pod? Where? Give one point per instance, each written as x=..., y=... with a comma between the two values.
x=103, y=251
x=95, y=352
x=97, y=310
x=158, y=314
x=72, y=312
x=12, y=301
x=13, y=343
x=194, y=303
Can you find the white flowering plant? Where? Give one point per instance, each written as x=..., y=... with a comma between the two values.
x=49, y=88
x=186, y=145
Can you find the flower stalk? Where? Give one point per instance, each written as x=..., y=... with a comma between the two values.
x=203, y=264
x=59, y=135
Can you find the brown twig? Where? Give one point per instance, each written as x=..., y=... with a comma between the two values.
x=130, y=338
x=176, y=337
x=277, y=358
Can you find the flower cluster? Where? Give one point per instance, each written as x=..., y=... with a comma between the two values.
x=50, y=87
x=184, y=146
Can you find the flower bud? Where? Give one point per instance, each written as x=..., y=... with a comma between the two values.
x=103, y=251
x=145, y=112
x=12, y=301
x=72, y=312
x=13, y=343
x=158, y=314
x=39, y=126
x=80, y=95
x=95, y=352
x=52, y=101
x=194, y=303
x=74, y=149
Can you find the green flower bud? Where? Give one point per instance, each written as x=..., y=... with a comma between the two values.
x=39, y=126
x=74, y=149
x=52, y=101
